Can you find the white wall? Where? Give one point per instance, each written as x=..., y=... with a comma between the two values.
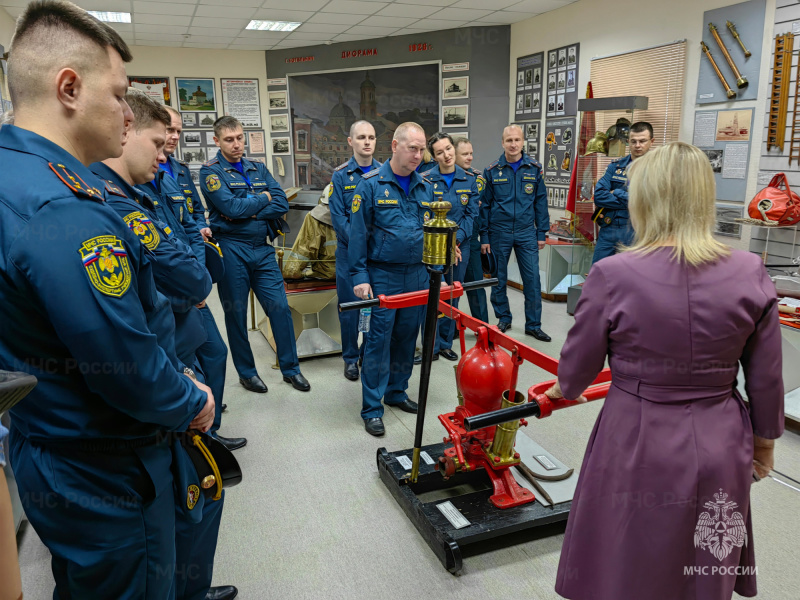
x=156, y=61
x=613, y=26
x=6, y=28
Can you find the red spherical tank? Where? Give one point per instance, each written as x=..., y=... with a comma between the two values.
x=483, y=374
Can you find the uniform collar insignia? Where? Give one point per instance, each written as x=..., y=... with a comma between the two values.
x=74, y=182
x=113, y=188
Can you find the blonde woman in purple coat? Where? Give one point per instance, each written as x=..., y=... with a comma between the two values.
x=662, y=508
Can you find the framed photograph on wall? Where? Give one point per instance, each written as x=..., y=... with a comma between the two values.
x=455, y=88
x=196, y=95
x=277, y=99
x=455, y=116
x=281, y=146
x=156, y=88
x=279, y=123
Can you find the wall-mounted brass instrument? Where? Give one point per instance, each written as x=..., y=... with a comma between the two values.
x=741, y=81
x=732, y=27
x=730, y=93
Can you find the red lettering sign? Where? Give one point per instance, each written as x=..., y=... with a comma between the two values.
x=298, y=59
x=359, y=53
x=419, y=47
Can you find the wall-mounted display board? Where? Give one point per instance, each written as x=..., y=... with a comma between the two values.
x=530, y=133
x=240, y=99
x=530, y=83
x=559, y=150
x=156, y=88
x=197, y=146
x=562, y=81
x=747, y=20
x=724, y=135
x=198, y=120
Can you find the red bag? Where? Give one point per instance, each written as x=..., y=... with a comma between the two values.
x=774, y=206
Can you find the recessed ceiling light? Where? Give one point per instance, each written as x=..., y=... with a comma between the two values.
x=273, y=26
x=111, y=17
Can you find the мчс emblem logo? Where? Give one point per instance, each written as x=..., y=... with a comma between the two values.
x=356, y=203
x=464, y=199
x=106, y=263
x=528, y=188
x=213, y=183
x=722, y=532
x=192, y=496
x=144, y=230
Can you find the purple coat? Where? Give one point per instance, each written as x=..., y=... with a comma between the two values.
x=662, y=507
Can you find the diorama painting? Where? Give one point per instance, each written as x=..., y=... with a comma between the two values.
x=325, y=105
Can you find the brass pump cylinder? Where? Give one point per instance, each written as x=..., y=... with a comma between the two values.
x=439, y=237
x=741, y=80
x=728, y=91
x=506, y=433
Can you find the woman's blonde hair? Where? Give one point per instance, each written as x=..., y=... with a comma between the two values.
x=671, y=200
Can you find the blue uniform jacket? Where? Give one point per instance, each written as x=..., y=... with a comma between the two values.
x=76, y=287
x=238, y=207
x=481, y=185
x=462, y=195
x=172, y=195
x=385, y=224
x=514, y=202
x=611, y=192
x=184, y=178
x=343, y=185
x=177, y=273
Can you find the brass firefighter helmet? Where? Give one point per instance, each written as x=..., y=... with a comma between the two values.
x=620, y=130
x=550, y=140
x=598, y=144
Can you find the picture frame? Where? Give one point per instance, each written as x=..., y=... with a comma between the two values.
x=277, y=99
x=279, y=123
x=150, y=85
x=455, y=88
x=455, y=115
x=281, y=146
x=196, y=94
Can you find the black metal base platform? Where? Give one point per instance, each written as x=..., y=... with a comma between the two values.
x=487, y=522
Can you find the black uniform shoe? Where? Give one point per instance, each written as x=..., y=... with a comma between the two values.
x=374, y=426
x=232, y=443
x=418, y=358
x=254, y=384
x=538, y=334
x=298, y=382
x=224, y=407
x=406, y=405
x=223, y=592
x=503, y=326
x=351, y=371
x=448, y=354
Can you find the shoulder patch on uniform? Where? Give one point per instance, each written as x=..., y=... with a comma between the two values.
x=470, y=173
x=480, y=182
x=113, y=188
x=144, y=229
x=494, y=164
x=356, y=203
x=372, y=173
x=181, y=162
x=74, y=182
x=192, y=496
x=425, y=173
x=474, y=172
x=213, y=183
x=106, y=263
x=342, y=166
x=211, y=162
x=536, y=163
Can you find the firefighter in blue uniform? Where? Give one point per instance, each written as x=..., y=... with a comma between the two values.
x=454, y=185
x=244, y=200
x=343, y=185
x=476, y=298
x=213, y=353
x=185, y=282
x=514, y=216
x=389, y=208
x=611, y=196
x=79, y=299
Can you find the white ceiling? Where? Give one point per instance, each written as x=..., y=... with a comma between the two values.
x=221, y=23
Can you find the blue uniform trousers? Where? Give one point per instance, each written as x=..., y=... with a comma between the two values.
x=477, y=298
x=348, y=320
x=195, y=546
x=527, y=252
x=125, y=524
x=446, y=327
x=213, y=359
x=618, y=232
x=389, y=345
x=253, y=266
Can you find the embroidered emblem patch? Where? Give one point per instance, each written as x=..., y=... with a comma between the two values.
x=213, y=183
x=106, y=263
x=189, y=205
x=330, y=191
x=481, y=183
x=427, y=216
x=528, y=188
x=464, y=199
x=351, y=178
x=144, y=230
x=192, y=496
x=386, y=193
x=356, y=203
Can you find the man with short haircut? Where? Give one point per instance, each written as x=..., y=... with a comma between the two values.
x=87, y=445
x=244, y=201
x=514, y=216
x=343, y=185
x=184, y=281
x=213, y=353
x=389, y=206
x=611, y=196
x=476, y=298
